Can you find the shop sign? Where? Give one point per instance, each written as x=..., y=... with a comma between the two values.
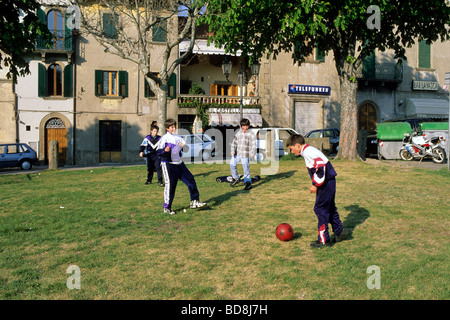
x=425, y=85
x=308, y=89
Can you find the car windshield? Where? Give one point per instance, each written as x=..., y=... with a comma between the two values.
x=314, y=134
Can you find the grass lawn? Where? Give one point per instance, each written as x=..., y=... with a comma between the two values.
x=111, y=225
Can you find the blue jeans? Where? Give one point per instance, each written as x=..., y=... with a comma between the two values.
x=245, y=165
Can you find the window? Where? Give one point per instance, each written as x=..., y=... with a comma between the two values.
x=111, y=83
x=55, y=24
x=110, y=22
x=54, y=80
x=317, y=54
x=159, y=31
x=172, y=85
x=424, y=55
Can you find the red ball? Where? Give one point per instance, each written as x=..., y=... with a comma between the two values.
x=284, y=232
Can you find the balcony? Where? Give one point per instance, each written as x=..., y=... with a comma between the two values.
x=224, y=110
x=379, y=74
x=62, y=43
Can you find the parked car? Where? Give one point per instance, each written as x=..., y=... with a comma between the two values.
x=17, y=155
x=279, y=136
x=332, y=133
x=199, y=146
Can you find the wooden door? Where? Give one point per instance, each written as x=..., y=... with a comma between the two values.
x=55, y=130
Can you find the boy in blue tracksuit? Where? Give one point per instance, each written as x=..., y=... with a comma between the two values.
x=169, y=148
x=323, y=180
x=147, y=149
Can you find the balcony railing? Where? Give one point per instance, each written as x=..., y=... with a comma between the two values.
x=380, y=72
x=191, y=101
x=61, y=42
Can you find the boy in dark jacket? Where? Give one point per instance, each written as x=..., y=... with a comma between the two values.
x=323, y=180
x=147, y=149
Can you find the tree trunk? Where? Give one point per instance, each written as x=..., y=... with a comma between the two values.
x=349, y=118
x=162, y=107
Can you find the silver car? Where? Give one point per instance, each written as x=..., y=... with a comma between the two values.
x=17, y=155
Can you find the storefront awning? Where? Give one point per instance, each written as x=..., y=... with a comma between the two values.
x=233, y=119
x=426, y=108
x=202, y=47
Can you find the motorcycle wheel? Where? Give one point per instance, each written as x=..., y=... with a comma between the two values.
x=405, y=155
x=440, y=155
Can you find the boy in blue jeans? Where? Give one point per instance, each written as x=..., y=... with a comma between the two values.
x=243, y=148
x=169, y=148
x=323, y=180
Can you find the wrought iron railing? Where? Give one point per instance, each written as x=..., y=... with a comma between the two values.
x=60, y=42
x=380, y=71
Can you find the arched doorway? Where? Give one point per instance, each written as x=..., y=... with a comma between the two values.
x=55, y=129
x=367, y=117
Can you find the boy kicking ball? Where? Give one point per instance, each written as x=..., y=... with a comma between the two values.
x=169, y=148
x=323, y=179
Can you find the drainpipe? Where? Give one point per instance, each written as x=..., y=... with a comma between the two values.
x=74, y=94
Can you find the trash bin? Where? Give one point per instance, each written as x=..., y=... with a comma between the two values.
x=390, y=138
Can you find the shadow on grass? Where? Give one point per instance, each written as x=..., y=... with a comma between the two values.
x=356, y=217
x=238, y=189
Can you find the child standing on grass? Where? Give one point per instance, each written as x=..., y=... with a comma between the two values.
x=148, y=150
x=323, y=179
x=243, y=148
x=169, y=148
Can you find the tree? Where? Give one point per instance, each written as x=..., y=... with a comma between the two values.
x=133, y=27
x=350, y=29
x=19, y=30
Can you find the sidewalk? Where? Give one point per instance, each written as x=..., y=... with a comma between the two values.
x=424, y=164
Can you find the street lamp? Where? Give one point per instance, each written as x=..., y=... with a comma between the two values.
x=226, y=68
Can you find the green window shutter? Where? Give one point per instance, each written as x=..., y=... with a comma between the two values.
x=320, y=55
x=67, y=32
x=172, y=86
x=41, y=15
x=123, y=83
x=42, y=80
x=159, y=32
x=109, y=25
x=424, y=55
x=68, y=83
x=297, y=54
x=98, y=83
x=368, y=71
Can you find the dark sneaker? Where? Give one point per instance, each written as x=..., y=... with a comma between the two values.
x=248, y=186
x=161, y=184
x=318, y=244
x=341, y=236
x=234, y=182
x=148, y=182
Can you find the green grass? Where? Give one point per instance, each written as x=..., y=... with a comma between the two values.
x=107, y=222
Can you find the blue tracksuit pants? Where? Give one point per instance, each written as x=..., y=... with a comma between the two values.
x=173, y=173
x=326, y=211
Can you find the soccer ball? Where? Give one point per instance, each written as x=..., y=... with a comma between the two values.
x=284, y=232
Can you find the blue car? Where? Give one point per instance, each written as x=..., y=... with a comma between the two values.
x=17, y=155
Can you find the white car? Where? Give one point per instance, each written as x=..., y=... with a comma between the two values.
x=199, y=146
x=278, y=135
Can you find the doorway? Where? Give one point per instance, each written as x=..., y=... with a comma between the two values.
x=55, y=129
x=110, y=141
x=367, y=118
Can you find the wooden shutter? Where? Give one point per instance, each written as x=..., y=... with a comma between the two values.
x=172, y=86
x=213, y=89
x=159, y=32
x=98, y=83
x=123, y=84
x=68, y=84
x=109, y=25
x=42, y=80
x=67, y=32
x=320, y=55
x=424, y=55
x=234, y=90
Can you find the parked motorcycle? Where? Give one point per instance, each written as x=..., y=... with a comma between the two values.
x=417, y=147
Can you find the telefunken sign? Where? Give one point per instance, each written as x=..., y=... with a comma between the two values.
x=309, y=89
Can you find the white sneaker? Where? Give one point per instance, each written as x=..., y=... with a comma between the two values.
x=169, y=211
x=197, y=204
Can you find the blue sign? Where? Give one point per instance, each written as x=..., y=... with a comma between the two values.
x=309, y=89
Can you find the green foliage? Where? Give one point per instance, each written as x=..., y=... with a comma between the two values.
x=18, y=35
x=196, y=89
